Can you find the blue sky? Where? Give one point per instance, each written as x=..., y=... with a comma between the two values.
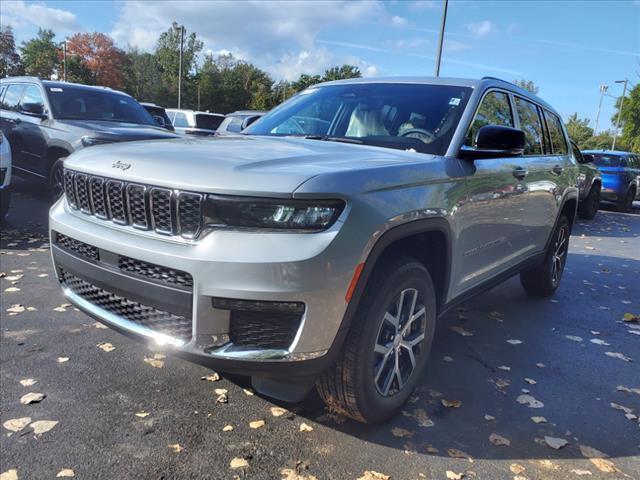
x=567, y=48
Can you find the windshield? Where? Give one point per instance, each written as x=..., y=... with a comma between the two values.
x=404, y=116
x=209, y=122
x=606, y=160
x=69, y=103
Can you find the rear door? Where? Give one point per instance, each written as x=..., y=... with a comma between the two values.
x=492, y=233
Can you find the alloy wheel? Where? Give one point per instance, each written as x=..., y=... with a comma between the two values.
x=559, y=255
x=57, y=182
x=399, y=342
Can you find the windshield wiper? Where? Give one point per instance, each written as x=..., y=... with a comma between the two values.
x=329, y=138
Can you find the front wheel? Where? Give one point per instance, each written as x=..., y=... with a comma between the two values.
x=588, y=208
x=626, y=204
x=56, y=180
x=388, y=344
x=543, y=280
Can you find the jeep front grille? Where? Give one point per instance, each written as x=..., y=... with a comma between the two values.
x=170, y=324
x=144, y=207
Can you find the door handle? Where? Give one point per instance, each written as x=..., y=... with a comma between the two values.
x=558, y=169
x=520, y=172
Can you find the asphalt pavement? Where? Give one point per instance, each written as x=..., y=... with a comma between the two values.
x=519, y=388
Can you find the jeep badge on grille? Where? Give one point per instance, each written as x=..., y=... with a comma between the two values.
x=121, y=165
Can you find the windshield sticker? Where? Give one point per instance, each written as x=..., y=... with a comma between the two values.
x=55, y=89
x=454, y=101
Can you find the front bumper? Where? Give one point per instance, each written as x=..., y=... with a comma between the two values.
x=308, y=269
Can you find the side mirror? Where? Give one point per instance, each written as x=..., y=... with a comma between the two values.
x=494, y=141
x=248, y=121
x=33, y=109
x=159, y=120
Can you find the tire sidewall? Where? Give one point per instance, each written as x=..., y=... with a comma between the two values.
x=58, y=164
x=562, y=223
x=374, y=406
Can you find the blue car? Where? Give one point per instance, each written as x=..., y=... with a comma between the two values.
x=620, y=176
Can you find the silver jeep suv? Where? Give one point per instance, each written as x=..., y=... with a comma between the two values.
x=321, y=247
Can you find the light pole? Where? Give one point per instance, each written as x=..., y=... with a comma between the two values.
x=441, y=40
x=624, y=92
x=603, y=90
x=180, y=66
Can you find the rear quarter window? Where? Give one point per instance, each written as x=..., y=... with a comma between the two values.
x=531, y=125
x=558, y=141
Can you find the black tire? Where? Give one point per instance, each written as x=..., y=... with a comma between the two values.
x=588, y=208
x=626, y=204
x=543, y=280
x=5, y=202
x=351, y=387
x=56, y=179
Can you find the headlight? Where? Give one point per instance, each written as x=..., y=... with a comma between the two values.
x=267, y=213
x=90, y=141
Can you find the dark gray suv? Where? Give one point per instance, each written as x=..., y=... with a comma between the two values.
x=45, y=121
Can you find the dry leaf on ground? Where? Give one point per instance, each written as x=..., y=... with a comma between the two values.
x=555, y=442
x=451, y=475
x=530, y=401
x=99, y=325
x=619, y=356
x=622, y=388
x=142, y=414
x=373, y=475
x=11, y=474
x=631, y=318
x=238, y=462
x=580, y=472
x=66, y=472
x=604, y=465
x=156, y=361
x=27, y=382
x=599, y=341
x=499, y=440
x=175, y=447
x=539, y=419
x=43, y=426
x=278, y=411
x=462, y=331
x=63, y=359
x=451, y=403
x=227, y=428
x=401, y=432
x=32, y=397
x=514, y=341
x=256, y=424
x=516, y=468
x=17, y=308
x=455, y=453
x=573, y=338
x=212, y=377
x=17, y=424
x=106, y=346
x=305, y=427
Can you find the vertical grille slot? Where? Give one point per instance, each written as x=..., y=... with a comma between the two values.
x=116, y=201
x=69, y=188
x=96, y=189
x=189, y=214
x=137, y=201
x=161, y=211
x=82, y=193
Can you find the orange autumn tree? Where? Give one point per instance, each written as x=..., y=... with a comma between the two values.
x=97, y=52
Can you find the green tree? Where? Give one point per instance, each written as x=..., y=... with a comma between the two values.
x=40, y=55
x=167, y=56
x=10, y=64
x=629, y=120
x=579, y=130
x=78, y=72
x=341, y=73
x=305, y=81
x=527, y=85
x=601, y=141
x=142, y=77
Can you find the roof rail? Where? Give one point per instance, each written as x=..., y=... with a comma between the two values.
x=499, y=79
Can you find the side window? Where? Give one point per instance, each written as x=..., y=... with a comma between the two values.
x=531, y=125
x=180, y=120
x=12, y=96
x=494, y=110
x=558, y=142
x=32, y=95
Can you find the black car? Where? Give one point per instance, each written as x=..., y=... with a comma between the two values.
x=237, y=121
x=159, y=114
x=45, y=121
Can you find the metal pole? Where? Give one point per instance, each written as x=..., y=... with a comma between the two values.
x=180, y=67
x=64, y=61
x=624, y=92
x=603, y=89
x=441, y=41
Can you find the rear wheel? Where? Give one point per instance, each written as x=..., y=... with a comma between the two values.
x=588, y=208
x=626, y=204
x=544, y=279
x=388, y=344
x=56, y=179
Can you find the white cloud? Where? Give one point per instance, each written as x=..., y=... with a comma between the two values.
x=20, y=14
x=480, y=29
x=399, y=21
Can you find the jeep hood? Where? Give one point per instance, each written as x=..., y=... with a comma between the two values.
x=247, y=165
x=118, y=131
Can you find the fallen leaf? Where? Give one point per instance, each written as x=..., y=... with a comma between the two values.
x=238, y=462
x=63, y=359
x=505, y=368
x=43, y=426
x=513, y=341
x=292, y=474
x=455, y=453
x=516, y=468
x=156, y=361
x=248, y=391
x=621, y=407
x=619, y=356
x=59, y=309
x=530, y=401
x=554, y=442
x=451, y=475
x=66, y=472
x=599, y=341
x=451, y=403
x=590, y=452
x=175, y=447
x=489, y=418
x=447, y=358
x=222, y=398
x=539, y=419
x=220, y=391
x=17, y=424
x=540, y=365
x=14, y=278
x=462, y=331
x=622, y=388
x=530, y=381
x=142, y=414
x=100, y=325
x=227, y=428
x=11, y=474
x=12, y=289
x=32, y=397
x=604, y=465
x=499, y=440
x=256, y=424
x=422, y=418
x=107, y=347
x=17, y=308
x=373, y=475
x=401, y=432
x=573, y=338
x=631, y=318
x=27, y=382
x=580, y=472
x=278, y=411
x=212, y=377
x=305, y=428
